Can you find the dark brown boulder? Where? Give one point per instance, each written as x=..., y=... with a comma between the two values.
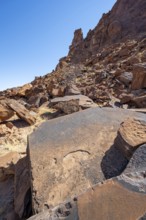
x=70, y=104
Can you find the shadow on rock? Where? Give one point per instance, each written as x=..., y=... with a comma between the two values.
x=113, y=163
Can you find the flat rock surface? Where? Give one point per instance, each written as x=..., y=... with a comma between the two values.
x=72, y=153
x=114, y=200
x=123, y=197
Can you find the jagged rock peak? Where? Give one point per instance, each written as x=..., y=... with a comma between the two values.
x=126, y=20
x=78, y=37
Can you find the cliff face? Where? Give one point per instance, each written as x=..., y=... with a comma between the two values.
x=126, y=20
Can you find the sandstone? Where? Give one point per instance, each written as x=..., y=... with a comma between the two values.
x=71, y=154
x=78, y=37
x=119, y=198
x=72, y=90
x=126, y=98
x=139, y=76
x=7, y=164
x=131, y=134
x=22, y=91
x=70, y=104
x=143, y=56
x=38, y=99
x=140, y=101
x=76, y=152
x=7, y=172
x=21, y=111
x=5, y=113
x=126, y=78
x=9, y=125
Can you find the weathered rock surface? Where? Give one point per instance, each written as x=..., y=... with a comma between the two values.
x=21, y=111
x=126, y=78
x=72, y=150
x=6, y=197
x=100, y=65
x=119, y=198
x=22, y=191
x=131, y=134
x=125, y=20
x=82, y=151
x=72, y=90
x=137, y=162
x=74, y=103
x=7, y=171
x=5, y=113
x=139, y=76
x=7, y=164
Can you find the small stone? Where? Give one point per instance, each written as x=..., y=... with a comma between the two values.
x=9, y=125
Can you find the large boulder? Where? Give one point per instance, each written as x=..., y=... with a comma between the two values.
x=21, y=111
x=139, y=76
x=69, y=154
x=126, y=78
x=131, y=134
x=70, y=104
x=5, y=112
x=72, y=90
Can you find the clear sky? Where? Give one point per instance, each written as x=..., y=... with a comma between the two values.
x=35, y=34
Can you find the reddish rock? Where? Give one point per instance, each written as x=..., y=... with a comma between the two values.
x=118, y=198
x=139, y=76
x=21, y=111
x=70, y=104
x=5, y=112
x=131, y=134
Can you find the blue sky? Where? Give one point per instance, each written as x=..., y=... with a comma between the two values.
x=35, y=34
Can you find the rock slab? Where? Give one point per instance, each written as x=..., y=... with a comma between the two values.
x=66, y=154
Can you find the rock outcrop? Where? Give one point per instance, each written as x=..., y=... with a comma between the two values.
x=139, y=76
x=122, y=197
x=70, y=104
x=125, y=21
x=131, y=134
x=21, y=111
x=119, y=198
x=77, y=151
x=68, y=158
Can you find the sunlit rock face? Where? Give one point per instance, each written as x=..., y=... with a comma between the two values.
x=126, y=20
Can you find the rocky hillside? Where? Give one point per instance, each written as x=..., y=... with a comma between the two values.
x=103, y=66
x=70, y=154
